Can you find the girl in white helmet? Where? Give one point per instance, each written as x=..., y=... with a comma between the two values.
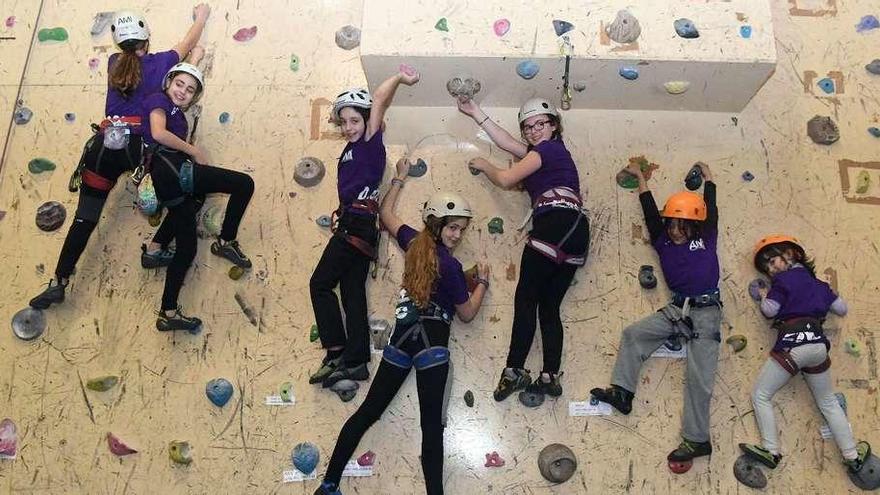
x=132, y=75
x=346, y=258
x=433, y=289
x=182, y=178
x=557, y=244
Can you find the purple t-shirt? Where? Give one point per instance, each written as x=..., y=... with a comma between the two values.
x=691, y=268
x=450, y=287
x=360, y=170
x=175, y=121
x=154, y=66
x=800, y=294
x=557, y=170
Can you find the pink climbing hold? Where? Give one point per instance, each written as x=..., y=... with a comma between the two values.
x=407, y=69
x=245, y=34
x=117, y=446
x=501, y=27
x=494, y=460
x=8, y=438
x=367, y=458
x=10, y=21
x=93, y=63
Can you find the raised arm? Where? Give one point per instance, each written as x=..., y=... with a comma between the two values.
x=500, y=137
x=382, y=98
x=507, y=178
x=389, y=219
x=189, y=41
x=649, y=207
x=709, y=195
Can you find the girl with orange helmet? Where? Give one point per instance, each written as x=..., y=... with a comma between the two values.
x=685, y=236
x=798, y=303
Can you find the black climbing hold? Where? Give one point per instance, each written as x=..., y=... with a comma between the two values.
x=70, y=117
x=561, y=27
x=309, y=171
x=748, y=473
x=647, y=279
x=686, y=28
x=874, y=131
x=345, y=389
x=694, y=178
x=822, y=130
x=748, y=176
x=50, y=216
x=418, y=169
x=557, y=463
x=867, y=478
x=324, y=221
x=469, y=398
x=874, y=67
x=29, y=323
x=23, y=115
x=531, y=399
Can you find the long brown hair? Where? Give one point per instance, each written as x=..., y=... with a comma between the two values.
x=125, y=75
x=421, y=268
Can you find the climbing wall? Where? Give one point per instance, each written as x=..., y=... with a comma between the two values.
x=275, y=89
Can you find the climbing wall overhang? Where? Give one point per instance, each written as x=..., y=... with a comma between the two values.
x=725, y=66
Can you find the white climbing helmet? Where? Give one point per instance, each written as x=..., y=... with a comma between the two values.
x=446, y=204
x=129, y=25
x=355, y=97
x=188, y=69
x=536, y=106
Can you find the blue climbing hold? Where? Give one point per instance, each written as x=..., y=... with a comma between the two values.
x=827, y=85
x=418, y=169
x=324, y=221
x=874, y=131
x=224, y=117
x=527, y=69
x=629, y=73
x=305, y=457
x=686, y=28
x=561, y=27
x=748, y=176
x=219, y=390
x=745, y=31
x=70, y=116
x=867, y=23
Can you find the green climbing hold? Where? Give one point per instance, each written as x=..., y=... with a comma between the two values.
x=294, y=63
x=313, y=334
x=441, y=25
x=863, y=182
x=155, y=220
x=852, y=348
x=496, y=226
x=180, y=452
x=38, y=165
x=626, y=180
x=286, y=392
x=102, y=384
x=236, y=272
x=52, y=34
x=738, y=342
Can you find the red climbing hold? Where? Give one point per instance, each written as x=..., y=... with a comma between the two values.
x=680, y=467
x=494, y=460
x=245, y=34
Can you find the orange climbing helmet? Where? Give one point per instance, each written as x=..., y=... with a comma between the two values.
x=685, y=205
x=776, y=245
x=775, y=239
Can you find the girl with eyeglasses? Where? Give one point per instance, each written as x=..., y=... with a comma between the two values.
x=557, y=244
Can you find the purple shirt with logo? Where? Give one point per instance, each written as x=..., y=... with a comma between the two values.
x=691, y=268
x=557, y=169
x=800, y=294
x=360, y=170
x=154, y=66
x=450, y=287
x=175, y=121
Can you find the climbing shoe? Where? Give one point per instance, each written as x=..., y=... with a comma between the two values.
x=54, y=293
x=328, y=488
x=231, y=251
x=156, y=259
x=855, y=465
x=617, y=396
x=328, y=366
x=512, y=379
x=688, y=450
x=760, y=454
x=358, y=372
x=176, y=320
x=546, y=383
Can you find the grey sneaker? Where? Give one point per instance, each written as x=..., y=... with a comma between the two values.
x=54, y=293
x=156, y=259
x=178, y=321
x=358, y=373
x=231, y=251
x=327, y=367
x=512, y=379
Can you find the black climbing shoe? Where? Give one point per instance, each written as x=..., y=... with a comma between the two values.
x=177, y=321
x=855, y=465
x=546, y=383
x=54, y=293
x=760, y=454
x=358, y=372
x=231, y=251
x=512, y=379
x=618, y=397
x=328, y=488
x=156, y=259
x=688, y=450
x=328, y=366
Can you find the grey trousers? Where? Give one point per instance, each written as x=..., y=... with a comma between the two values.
x=773, y=377
x=643, y=337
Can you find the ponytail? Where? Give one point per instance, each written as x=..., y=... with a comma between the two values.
x=125, y=75
x=421, y=267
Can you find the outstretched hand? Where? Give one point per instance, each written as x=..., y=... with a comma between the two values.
x=402, y=167
x=467, y=106
x=201, y=12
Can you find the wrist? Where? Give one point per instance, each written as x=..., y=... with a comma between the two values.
x=397, y=181
x=482, y=281
x=483, y=120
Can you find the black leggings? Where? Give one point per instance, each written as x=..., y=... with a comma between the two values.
x=431, y=386
x=342, y=264
x=542, y=286
x=113, y=163
x=181, y=219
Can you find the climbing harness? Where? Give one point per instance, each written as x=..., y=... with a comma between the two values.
x=409, y=321
x=558, y=197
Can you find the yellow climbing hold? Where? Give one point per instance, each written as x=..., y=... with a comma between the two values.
x=863, y=182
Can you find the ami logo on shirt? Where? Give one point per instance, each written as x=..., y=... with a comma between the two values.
x=347, y=157
x=174, y=110
x=697, y=244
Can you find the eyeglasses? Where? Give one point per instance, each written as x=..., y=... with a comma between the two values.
x=537, y=126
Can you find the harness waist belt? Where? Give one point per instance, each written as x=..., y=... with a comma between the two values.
x=96, y=181
x=712, y=298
